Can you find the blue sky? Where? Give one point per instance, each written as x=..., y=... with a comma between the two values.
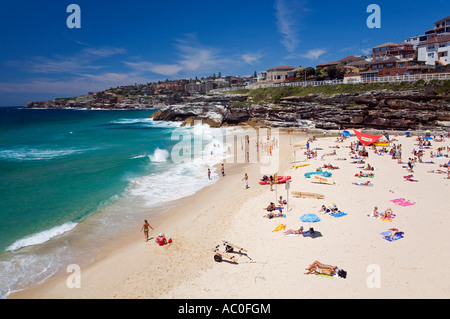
x=127, y=42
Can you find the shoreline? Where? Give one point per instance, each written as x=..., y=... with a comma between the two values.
x=132, y=269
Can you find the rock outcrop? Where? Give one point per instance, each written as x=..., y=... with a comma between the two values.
x=373, y=109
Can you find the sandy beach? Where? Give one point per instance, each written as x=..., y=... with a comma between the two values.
x=409, y=267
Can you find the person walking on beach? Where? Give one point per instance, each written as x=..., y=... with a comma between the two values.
x=145, y=228
x=209, y=174
x=223, y=171
x=245, y=179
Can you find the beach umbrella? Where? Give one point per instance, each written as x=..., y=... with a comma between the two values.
x=310, y=218
x=428, y=138
x=407, y=133
x=427, y=132
x=346, y=134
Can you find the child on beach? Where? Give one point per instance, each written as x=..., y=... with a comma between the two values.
x=245, y=179
x=145, y=228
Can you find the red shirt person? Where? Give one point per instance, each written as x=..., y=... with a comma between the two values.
x=161, y=240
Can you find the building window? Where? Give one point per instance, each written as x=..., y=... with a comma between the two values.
x=377, y=50
x=431, y=55
x=374, y=67
x=380, y=66
x=389, y=65
x=401, y=65
x=431, y=47
x=442, y=45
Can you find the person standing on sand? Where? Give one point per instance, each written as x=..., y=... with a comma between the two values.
x=223, y=171
x=245, y=179
x=209, y=174
x=145, y=228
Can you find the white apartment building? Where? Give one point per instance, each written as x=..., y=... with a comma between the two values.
x=435, y=50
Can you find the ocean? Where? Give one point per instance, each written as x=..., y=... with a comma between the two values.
x=72, y=179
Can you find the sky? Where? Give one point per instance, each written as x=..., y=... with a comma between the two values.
x=128, y=42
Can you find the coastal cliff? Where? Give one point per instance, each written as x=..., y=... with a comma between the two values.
x=402, y=109
x=401, y=106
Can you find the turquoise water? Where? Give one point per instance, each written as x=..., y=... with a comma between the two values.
x=67, y=175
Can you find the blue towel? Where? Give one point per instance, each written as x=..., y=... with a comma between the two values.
x=396, y=237
x=338, y=214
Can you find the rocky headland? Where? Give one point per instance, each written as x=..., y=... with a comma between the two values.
x=415, y=106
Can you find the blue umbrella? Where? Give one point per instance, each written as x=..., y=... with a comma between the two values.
x=310, y=218
x=428, y=138
x=346, y=134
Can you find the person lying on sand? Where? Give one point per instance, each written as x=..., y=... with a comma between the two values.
x=361, y=174
x=329, y=166
x=324, y=210
x=279, y=213
x=363, y=183
x=292, y=231
x=318, y=268
x=393, y=232
x=271, y=207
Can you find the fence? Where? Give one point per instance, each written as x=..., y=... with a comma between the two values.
x=384, y=79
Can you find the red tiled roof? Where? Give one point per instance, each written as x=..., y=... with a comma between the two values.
x=327, y=63
x=351, y=58
x=438, y=39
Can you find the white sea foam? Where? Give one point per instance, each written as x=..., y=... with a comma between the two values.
x=160, y=155
x=147, y=122
x=34, y=154
x=42, y=237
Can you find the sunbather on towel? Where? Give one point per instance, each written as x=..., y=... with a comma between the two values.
x=293, y=231
x=363, y=183
x=324, y=210
x=272, y=215
x=388, y=213
x=318, y=268
x=271, y=207
x=393, y=232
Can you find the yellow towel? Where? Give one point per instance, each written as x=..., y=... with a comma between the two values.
x=279, y=227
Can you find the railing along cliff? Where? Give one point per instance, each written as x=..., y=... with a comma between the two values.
x=384, y=79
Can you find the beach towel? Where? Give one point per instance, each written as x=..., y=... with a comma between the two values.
x=388, y=219
x=282, y=215
x=312, y=234
x=324, y=275
x=338, y=214
x=405, y=203
x=402, y=202
x=362, y=184
x=279, y=227
x=410, y=178
x=397, y=236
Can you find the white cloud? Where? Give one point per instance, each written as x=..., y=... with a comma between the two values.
x=86, y=60
x=164, y=69
x=251, y=58
x=313, y=54
x=192, y=56
x=287, y=15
